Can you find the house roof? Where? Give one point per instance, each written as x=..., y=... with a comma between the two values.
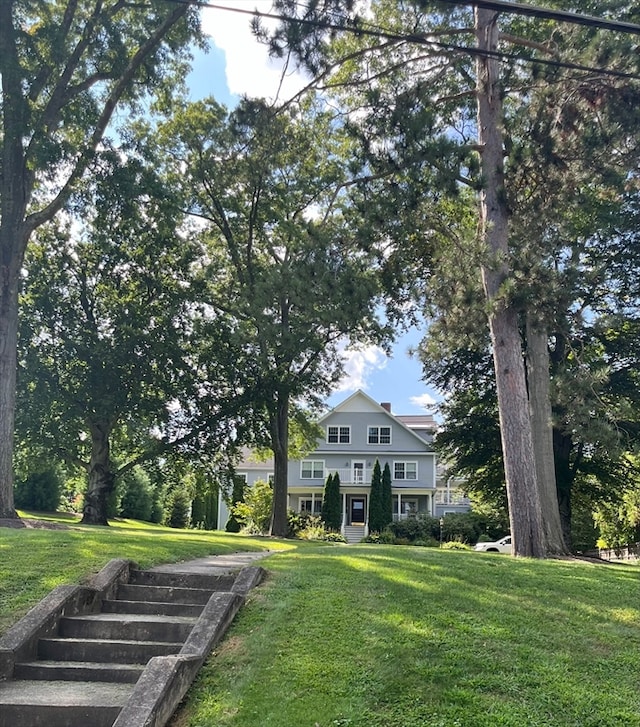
x=361, y=402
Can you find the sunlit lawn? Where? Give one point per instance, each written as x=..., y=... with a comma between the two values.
x=32, y=562
x=375, y=636
x=381, y=636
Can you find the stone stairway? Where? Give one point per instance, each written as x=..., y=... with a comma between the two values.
x=119, y=653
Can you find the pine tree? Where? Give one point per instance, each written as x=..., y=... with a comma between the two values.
x=331, y=510
x=376, y=513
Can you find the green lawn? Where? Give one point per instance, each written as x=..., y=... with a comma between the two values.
x=32, y=561
x=382, y=636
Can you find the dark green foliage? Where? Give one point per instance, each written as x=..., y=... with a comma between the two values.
x=204, y=511
x=39, y=491
x=178, y=507
x=387, y=497
x=331, y=505
x=237, y=495
x=137, y=495
x=465, y=527
x=376, y=515
x=421, y=527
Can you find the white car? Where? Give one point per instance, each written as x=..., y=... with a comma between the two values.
x=500, y=546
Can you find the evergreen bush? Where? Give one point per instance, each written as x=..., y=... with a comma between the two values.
x=387, y=497
x=40, y=491
x=233, y=525
x=136, y=499
x=178, y=508
x=331, y=512
x=376, y=514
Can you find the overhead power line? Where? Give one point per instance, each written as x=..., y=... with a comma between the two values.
x=420, y=39
x=546, y=14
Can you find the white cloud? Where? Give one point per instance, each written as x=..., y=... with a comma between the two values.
x=424, y=401
x=249, y=70
x=359, y=365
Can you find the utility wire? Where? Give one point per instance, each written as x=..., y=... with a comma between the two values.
x=417, y=38
x=559, y=15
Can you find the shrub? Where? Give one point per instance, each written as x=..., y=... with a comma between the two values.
x=255, y=511
x=137, y=495
x=376, y=515
x=40, y=491
x=455, y=545
x=178, y=507
x=331, y=503
x=237, y=495
x=420, y=527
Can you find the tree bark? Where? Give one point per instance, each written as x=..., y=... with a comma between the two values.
x=280, y=445
x=8, y=363
x=515, y=427
x=101, y=476
x=542, y=433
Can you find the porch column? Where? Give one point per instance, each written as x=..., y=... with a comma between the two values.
x=399, y=504
x=344, y=509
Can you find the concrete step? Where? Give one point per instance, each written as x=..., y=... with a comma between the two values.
x=26, y=703
x=152, y=608
x=128, y=627
x=353, y=533
x=78, y=671
x=181, y=580
x=117, y=651
x=165, y=594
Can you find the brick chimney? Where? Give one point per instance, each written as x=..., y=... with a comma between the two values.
x=386, y=405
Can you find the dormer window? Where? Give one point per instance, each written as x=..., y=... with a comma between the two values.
x=339, y=435
x=379, y=435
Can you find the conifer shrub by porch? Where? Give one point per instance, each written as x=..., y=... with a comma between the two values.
x=331, y=512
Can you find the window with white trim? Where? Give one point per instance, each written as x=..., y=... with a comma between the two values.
x=313, y=507
x=338, y=435
x=405, y=470
x=379, y=435
x=312, y=469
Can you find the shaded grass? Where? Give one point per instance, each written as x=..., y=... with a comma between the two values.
x=405, y=637
x=34, y=561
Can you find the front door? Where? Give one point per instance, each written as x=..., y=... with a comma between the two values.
x=357, y=511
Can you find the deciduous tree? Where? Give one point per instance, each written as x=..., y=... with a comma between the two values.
x=287, y=281
x=66, y=66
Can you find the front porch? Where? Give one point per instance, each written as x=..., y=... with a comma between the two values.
x=355, y=505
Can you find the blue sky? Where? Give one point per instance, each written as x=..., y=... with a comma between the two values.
x=237, y=64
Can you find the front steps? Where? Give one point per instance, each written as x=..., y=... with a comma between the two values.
x=122, y=654
x=353, y=533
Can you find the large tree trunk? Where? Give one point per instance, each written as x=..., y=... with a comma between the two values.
x=280, y=445
x=515, y=427
x=542, y=432
x=8, y=349
x=101, y=477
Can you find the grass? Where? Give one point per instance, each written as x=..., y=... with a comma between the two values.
x=34, y=561
x=390, y=636
x=381, y=636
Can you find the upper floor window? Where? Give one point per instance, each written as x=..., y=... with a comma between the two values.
x=405, y=470
x=379, y=435
x=339, y=435
x=312, y=469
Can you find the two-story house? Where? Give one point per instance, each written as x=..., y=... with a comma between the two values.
x=355, y=434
